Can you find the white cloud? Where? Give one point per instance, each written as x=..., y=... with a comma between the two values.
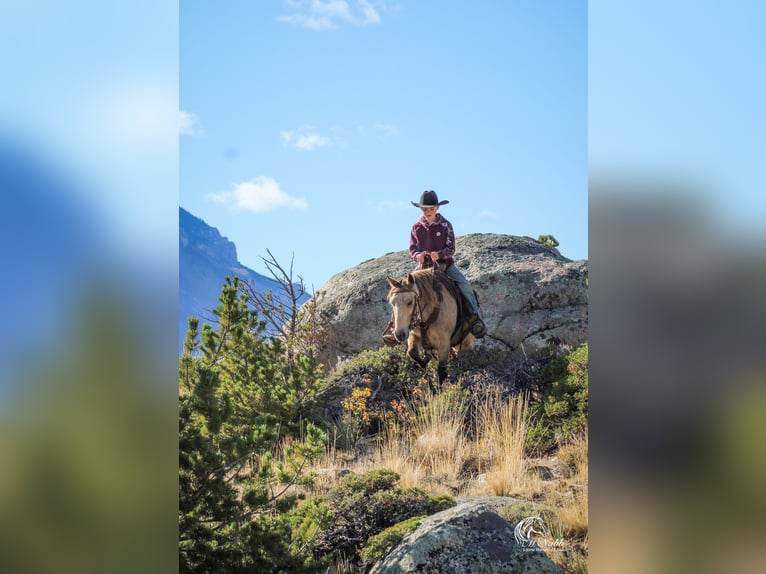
x=371, y=16
x=258, y=195
x=387, y=129
x=329, y=14
x=305, y=138
x=333, y=9
x=188, y=124
x=488, y=213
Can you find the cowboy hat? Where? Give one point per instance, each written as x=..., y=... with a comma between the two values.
x=429, y=199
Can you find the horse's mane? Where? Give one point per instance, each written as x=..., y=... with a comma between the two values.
x=424, y=280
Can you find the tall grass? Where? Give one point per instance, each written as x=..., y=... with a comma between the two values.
x=429, y=449
x=393, y=452
x=573, y=511
x=501, y=430
x=442, y=442
x=439, y=442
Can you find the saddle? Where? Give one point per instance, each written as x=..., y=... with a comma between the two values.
x=465, y=314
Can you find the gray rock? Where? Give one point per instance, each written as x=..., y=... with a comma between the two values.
x=469, y=538
x=531, y=296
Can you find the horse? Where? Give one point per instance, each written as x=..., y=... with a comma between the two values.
x=430, y=313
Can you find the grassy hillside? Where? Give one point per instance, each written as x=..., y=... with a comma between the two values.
x=314, y=468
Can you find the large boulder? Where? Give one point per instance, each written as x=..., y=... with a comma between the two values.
x=531, y=296
x=465, y=539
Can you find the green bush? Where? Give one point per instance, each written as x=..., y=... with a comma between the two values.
x=393, y=361
x=548, y=240
x=365, y=505
x=382, y=543
x=560, y=408
x=239, y=396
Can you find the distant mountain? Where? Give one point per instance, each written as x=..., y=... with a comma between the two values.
x=205, y=260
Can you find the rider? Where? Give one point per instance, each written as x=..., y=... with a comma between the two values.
x=432, y=241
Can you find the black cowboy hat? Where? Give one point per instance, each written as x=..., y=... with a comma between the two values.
x=429, y=199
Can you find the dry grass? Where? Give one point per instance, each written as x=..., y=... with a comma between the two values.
x=341, y=565
x=438, y=441
x=568, y=499
x=574, y=456
x=394, y=453
x=501, y=429
x=429, y=448
x=572, y=505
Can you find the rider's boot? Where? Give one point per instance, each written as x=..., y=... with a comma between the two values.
x=478, y=328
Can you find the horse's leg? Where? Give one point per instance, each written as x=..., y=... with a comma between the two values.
x=443, y=356
x=466, y=343
x=416, y=356
x=416, y=353
x=441, y=371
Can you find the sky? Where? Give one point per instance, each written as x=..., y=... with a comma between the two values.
x=91, y=91
x=676, y=94
x=308, y=127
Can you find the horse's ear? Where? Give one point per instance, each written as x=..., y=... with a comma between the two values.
x=393, y=282
x=410, y=280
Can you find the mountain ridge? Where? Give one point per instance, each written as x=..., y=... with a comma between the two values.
x=206, y=258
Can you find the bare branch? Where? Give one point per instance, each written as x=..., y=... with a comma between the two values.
x=295, y=323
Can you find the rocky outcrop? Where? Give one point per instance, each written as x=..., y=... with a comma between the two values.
x=468, y=538
x=531, y=296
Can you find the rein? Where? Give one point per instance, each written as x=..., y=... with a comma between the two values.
x=417, y=318
x=432, y=317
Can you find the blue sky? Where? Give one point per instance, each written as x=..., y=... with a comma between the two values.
x=484, y=102
x=309, y=126
x=677, y=95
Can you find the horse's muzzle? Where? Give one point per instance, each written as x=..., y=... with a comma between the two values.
x=402, y=334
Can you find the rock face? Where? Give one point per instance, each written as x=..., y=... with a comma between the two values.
x=468, y=538
x=531, y=296
x=205, y=259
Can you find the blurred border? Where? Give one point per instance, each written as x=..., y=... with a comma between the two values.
x=88, y=349
x=88, y=168
x=677, y=287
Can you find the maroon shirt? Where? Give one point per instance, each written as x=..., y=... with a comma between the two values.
x=437, y=236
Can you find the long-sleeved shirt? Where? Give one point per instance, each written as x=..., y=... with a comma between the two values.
x=436, y=236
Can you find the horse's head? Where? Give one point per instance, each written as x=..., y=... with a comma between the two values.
x=403, y=297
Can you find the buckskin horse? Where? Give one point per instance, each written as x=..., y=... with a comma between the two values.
x=430, y=313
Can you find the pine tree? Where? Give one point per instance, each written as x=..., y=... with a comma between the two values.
x=242, y=443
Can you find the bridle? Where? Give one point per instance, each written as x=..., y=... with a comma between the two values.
x=416, y=319
x=461, y=329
